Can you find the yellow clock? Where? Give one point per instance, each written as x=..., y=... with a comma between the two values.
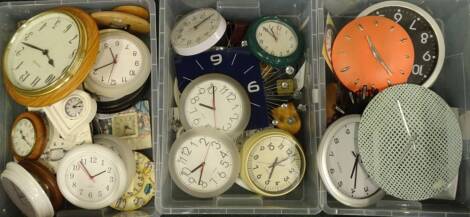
x=49, y=56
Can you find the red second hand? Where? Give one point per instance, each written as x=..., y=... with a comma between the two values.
x=213, y=106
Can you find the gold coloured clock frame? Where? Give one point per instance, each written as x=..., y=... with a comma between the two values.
x=76, y=72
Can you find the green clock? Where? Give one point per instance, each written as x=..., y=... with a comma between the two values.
x=275, y=41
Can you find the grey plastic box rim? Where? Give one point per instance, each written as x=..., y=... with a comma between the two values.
x=453, y=17
x=10, y=14
x=171, y=200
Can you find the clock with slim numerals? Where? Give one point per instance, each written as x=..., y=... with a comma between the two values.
x=340, y=165
x=204, y=162
x=28, y=136
x=92, y=176
x=273, y=163
x=425, y=33
x=215, y=100
x=122, y=66
x=49, y=56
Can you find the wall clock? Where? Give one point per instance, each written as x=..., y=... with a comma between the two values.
x=49, y=56
x=197, y=31
x=273, y=163
x=238, y=63
x=203, y=162
x=340, y=165
x=275, y=41
x=29, y=136
x=427, y=37
x=372, y=51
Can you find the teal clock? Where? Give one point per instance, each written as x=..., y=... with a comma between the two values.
x=275, y=41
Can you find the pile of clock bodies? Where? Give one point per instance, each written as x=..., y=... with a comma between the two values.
x=46, y=62
x=408, y=142
x=215, y=109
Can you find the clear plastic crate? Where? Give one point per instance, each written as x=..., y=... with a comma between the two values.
x=170, y=199
x=453, y=17
x=10, y=14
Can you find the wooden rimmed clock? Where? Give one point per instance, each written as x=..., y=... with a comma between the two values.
x=28, y=137
x=49, y=56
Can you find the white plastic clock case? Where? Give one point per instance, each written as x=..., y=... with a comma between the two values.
x=452, y=84
x=169, y=198
x=13, y=12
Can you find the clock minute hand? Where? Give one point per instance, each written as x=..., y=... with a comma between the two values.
x=203, y=21
x=270, y=33
x=377, y=56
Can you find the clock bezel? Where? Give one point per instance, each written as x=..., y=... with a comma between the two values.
x=434, y=26
x=41, y=136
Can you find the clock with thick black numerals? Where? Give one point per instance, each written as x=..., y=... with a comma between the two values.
x=426, y=35
x=237, y=63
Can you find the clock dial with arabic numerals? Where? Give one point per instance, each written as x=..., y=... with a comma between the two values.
x=426, y=35
x=204, y=162
x=276, y=38
x=273, y=162
x=215, y=100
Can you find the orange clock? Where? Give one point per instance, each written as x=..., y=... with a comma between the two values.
x=372, y=51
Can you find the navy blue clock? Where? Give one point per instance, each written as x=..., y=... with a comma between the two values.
x=238, y=63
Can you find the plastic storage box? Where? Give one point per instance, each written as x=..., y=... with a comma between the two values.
x=453, y=16
x=170, y=199
x=10, y=14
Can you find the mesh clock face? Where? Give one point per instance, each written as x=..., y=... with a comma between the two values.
x=410, y=142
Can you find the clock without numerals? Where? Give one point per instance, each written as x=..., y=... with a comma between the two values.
x=426, y=35
x=204, y=162
x=340, y=165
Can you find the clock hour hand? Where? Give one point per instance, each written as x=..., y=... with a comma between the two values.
x=271, y=33
x=377, y=56
x=43, y=51
x=103, y=66
x=98, y=174
x=206, y=106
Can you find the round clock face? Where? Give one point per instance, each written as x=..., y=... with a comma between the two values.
x=426, y=35
x=23, y=137
x=42, y=51
x=122, y=65
x=197, y=31
x=74, y=106
x=217, y=101
x=276, y=38
x=92, y=177
x=360, y=58
x=341, y=164
x=204, y=163
x=275, y=163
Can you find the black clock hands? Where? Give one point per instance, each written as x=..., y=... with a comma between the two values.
x=44, y=52
x=114, y=63
x=24, y=138
x=103, y=66
x=98, y=174
x=272, y=168
x=203, y=21
x=206, y=106
x=270, y=33
x=354, y=170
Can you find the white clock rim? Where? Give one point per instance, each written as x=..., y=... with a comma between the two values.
x=206, y=44
x=323, y=169
x=122, y=90
x=216, y=135
x=434, y=26
x=97, y=149
x=126, y=153
x=26, y=183
x=253, y=141
x=245, y=117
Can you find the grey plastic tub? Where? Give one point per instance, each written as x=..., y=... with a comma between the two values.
x=169, y=199
x=10, y=14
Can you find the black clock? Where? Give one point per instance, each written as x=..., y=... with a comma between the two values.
x=427, y=37
x=121, y=104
